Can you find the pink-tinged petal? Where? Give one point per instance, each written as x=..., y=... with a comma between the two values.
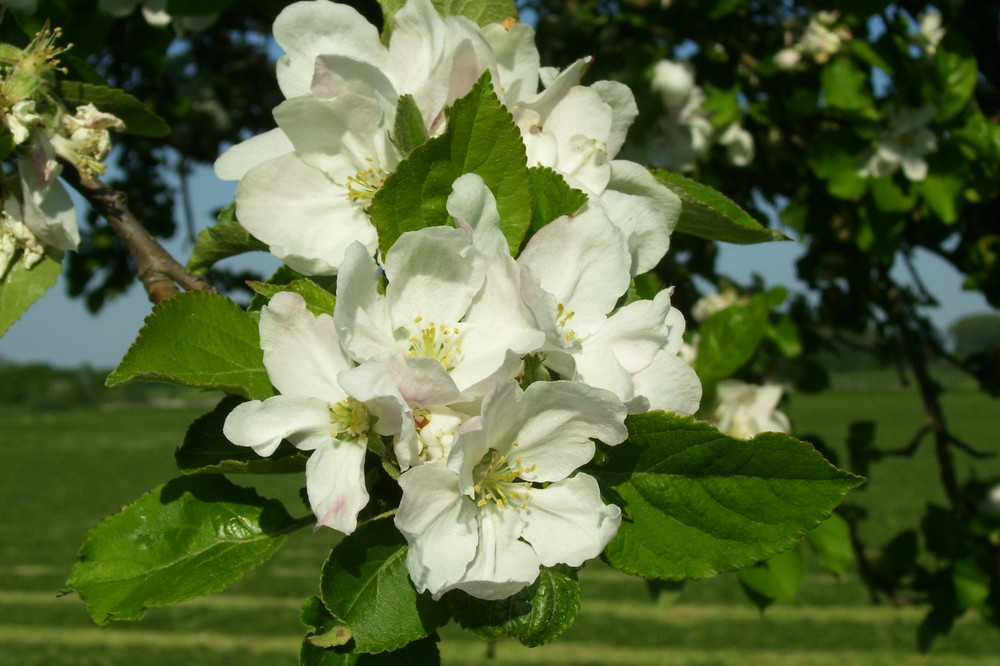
x=433, y=274
x=361, y=315
x=644, y=209
x=552, y=424
x=262, y=425
x=335, y=484
x=439, y=525
x=582, y=261
x=338, y=75
x=670, y=384
x=304, y=217
x=503, y=565
x=302, y=353
x=309, y=29
x=568, y=523
x=422, y=381
x=241, y=157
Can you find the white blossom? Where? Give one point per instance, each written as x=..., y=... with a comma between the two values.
x=506, y=504
x=903, y=143
x=746, y=410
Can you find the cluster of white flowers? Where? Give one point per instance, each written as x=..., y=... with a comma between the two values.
x=929, y=31
x=685, y=132
x=429, y=346
x=903, y=143
x=40, y=212
x=820, y=40
x=156, y=14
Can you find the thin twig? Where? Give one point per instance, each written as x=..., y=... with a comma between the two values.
x=159, y=272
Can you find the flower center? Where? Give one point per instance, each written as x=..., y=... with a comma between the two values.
x=350, y=421
x=363, y=185
x=437, y=341
x=436, y=427
x=563, y=317
x=498, y=481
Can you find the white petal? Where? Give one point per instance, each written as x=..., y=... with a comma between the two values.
x=644, y=209
x=338, y=75
x=305, y=218
x=241, y=157
x=439, y=524
x=361, y=315
x=619, y=97
x=568, y=523
x=635, y=332
x=582, y=261
x=335, y=483
x=472, y=203
x=517, y=59
x=552, y=424
x=372, y=384
x=262, y=425
x=433, y=274
x=670, y=384
x=301, y=350
x=48, y=209
x=309, y=29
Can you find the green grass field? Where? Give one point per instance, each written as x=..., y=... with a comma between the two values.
x=64, y=471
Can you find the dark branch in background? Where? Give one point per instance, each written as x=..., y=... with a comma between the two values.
x=159, y=272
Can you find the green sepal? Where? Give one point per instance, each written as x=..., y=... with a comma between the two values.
x=409, y=131
x=189, y=537
x=708, y=213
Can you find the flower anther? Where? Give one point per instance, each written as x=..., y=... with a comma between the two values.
x=363, y=185
x=438, y=341
x=498, y=481
x=350, y=421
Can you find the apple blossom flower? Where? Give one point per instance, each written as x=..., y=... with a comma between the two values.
x=325, y=405
x=929, y=31
x=17, y=242
x=506, y=503
x=746, y=410
x=576, y=270
x=903, y=143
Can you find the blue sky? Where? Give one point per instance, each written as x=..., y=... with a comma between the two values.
x=60, y=331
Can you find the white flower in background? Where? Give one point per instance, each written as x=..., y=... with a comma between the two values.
x=820, y=40
x=326, y=405
x=707, y=306
x=929, y=31
x=903, y=143
x=16, y=240
x=506, y=504
x=684, y=131
x=746, y=410
x=576, y=270
x=83, y=139
x=155, y=13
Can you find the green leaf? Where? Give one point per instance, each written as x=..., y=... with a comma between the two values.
x=778, y=578
x=327, y=631
x=954, y=76
x=845, y=86
x=708, y=213
x=418, y=653
x=367, y=585
x=889, y=197
x=227, y=238
x=728, y=338
x=318, y=300
x=536, y=615
x=481, y=138
x=409, y=130
x=137, y=117
x=207, y=451
x=867, y=52
x=943, y=191
x=198, y=339
x=189, y=537
x=722, y=106
x=553, y=197
x=696, y=502
x=831, y=540
x=480, y=11
x=21, y=287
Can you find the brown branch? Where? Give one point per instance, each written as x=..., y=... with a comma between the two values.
x=159, y=272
